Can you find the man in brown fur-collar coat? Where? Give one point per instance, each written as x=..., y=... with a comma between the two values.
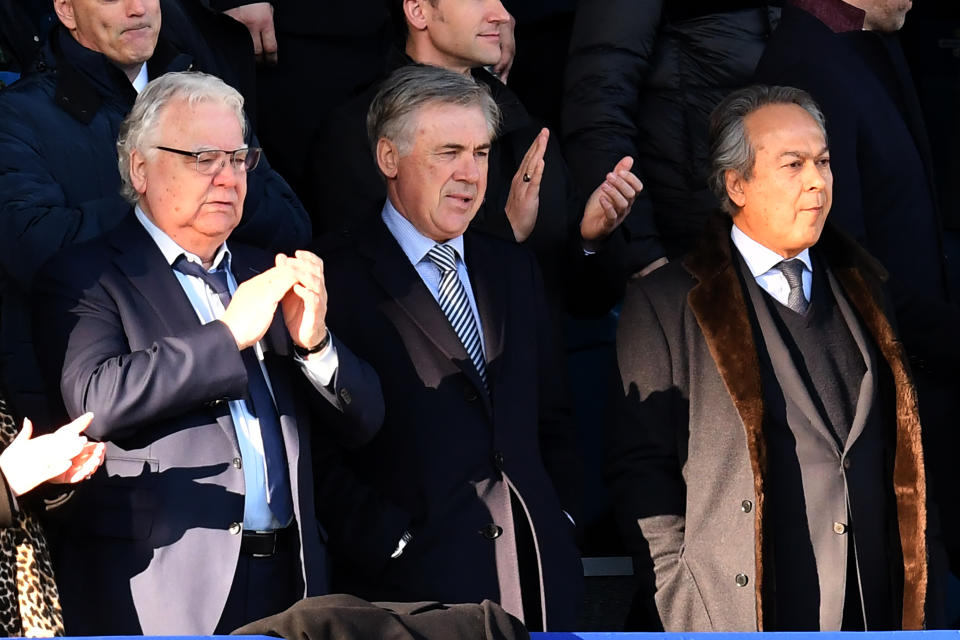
x=768, y=456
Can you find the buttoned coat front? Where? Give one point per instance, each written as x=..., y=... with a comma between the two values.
x=449, y=454
x=687, y=457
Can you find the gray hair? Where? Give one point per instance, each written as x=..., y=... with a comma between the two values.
x=141, y=123
x=730, y=147
x=393, y=110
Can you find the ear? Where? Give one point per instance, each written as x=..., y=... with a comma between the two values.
x=415, y=15
x=64, y=9
x=735, y=188
x=138, y=171
x=388, y=158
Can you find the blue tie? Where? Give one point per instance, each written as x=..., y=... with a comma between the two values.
x=453, y=301
x=259, y=401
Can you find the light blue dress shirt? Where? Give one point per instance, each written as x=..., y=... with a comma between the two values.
x=319, y=370
x=416, y=245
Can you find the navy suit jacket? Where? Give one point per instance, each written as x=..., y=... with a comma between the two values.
x=147, y=545
x=448, y=454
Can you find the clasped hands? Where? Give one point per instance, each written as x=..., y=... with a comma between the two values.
x=297, y=285
x=606, y=207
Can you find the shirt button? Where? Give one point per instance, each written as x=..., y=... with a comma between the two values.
x=235, y=528
x=742, y=579
x=746, y=506
x=491, y=532
x=839, y=528
x=238, y=463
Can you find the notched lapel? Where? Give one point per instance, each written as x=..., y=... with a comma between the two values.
x=142, y=263
x=489, y=282
x=391, y=268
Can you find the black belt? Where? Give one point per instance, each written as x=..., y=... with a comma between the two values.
x=263, y=544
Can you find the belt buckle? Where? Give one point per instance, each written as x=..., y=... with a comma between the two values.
x=272, y=535
x=273, y=546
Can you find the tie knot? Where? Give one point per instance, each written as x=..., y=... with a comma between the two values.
x=792, y=270
x=444, y=256
x=216, y=279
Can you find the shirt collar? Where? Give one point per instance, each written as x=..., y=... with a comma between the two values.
x=759, y=258
x=171, y=250
x=413, y=243
x=838, y=15
x=141, y=80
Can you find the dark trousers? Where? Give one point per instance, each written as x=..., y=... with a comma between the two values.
x=264, y=586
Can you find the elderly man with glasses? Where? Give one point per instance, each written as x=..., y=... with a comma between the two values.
x=198, y=357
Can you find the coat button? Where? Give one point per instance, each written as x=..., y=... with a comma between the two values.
x=235, y=528
x=469, y=393
x=846, y=463
x=498, y=460
x=345, y=396
x=238, y=463
x=491, y=532
x=746, y=506
x=839, y=528
x=742, y=579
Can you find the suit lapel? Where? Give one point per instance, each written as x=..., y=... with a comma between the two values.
x=393, y=271
x=868, y=383
x=489, y=282
x=140, y=260
x=784, y=368
x=720, y=308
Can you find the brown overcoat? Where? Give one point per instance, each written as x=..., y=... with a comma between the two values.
x=687, y=459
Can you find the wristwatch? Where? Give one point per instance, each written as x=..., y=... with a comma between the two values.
x=320, y=346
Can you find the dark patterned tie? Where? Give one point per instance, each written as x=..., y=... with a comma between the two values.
x=259, y=401
x=792, y=270
x=453, y=300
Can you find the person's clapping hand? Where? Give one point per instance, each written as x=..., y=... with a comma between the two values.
x=609, y=204
x=64, y=456
x=305, y=304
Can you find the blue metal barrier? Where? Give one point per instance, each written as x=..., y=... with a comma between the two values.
x=603, y=635
x=823, y=635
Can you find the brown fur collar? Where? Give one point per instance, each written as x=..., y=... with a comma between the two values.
x=719, y=304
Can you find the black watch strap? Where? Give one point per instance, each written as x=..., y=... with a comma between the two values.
x=320, y=346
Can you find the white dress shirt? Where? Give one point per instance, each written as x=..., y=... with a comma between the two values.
x=762, y=263
x=319, y=370
x=141, y=80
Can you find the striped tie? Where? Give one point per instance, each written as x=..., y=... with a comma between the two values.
x=453, y=300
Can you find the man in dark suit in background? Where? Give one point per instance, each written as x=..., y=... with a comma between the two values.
x=58, y=129
x=461, y=496
x=768, y=455
x=556, y=225
x=848, y=56
x=195, y=357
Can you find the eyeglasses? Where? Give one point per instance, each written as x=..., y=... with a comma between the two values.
x=211, y=161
